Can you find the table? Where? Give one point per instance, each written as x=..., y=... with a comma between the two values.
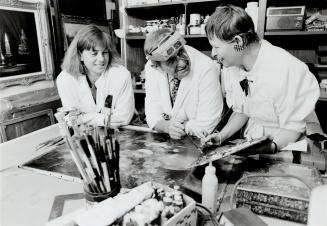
x=27, y=196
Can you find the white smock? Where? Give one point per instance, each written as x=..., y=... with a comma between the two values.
x=75, y=93
x=199, y=100
x=283, y=92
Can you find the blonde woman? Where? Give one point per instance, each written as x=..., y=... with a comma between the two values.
x=91, y=71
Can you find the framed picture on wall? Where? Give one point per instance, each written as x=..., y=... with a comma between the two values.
x=72, y=24
x=25, y=54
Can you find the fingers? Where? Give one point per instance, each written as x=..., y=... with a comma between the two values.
x=211, y=139
x=176, y=130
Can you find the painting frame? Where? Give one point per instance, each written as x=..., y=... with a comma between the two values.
x=71, y=25
x=37, y=10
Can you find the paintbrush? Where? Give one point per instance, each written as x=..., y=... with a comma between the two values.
x=221, y=120
x=194, y=144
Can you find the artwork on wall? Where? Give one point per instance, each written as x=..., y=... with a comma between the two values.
x=73, y=24
x=25, y=54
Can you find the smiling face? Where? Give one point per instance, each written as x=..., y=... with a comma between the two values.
x=224, y=52
x=177, y=66
x=95, y=59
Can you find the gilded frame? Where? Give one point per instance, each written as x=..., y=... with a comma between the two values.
x=37, y=8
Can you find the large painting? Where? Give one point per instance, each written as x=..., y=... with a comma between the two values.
x=25, y=55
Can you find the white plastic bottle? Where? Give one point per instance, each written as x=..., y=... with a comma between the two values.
x=210, y=188
x=252, y=9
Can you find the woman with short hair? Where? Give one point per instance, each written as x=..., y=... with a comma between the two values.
x=269, y=90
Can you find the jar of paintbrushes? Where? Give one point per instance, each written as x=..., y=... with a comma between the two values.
x=95, y=151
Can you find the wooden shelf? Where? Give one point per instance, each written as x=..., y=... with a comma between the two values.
x=136, y=37
x=167, y=4
x=285, y=33
x=140, y=37
x=321, y=66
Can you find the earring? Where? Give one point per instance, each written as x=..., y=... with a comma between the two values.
x=238, y=48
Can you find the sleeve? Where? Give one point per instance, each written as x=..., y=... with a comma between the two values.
x=124, y=103
x=67, y=91
x=210, y=103
x=153, y=110
x=301, y=94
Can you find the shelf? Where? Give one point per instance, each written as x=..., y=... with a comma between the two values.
x=167, y=4
x=304, y=33
x=140, y=37
x=321, y=66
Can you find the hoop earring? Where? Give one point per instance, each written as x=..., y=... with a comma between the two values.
x=238, y=48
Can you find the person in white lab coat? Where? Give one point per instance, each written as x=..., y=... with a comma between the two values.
x=269, y=90
x=91, y=71
x=197, y=105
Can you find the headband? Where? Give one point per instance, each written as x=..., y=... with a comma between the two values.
x=167, y=47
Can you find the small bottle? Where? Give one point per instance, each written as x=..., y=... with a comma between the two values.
x=210, y=188
x=252, y=9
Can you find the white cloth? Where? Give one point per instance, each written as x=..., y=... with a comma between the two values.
x=199, y=100
x=283, y=92
x=76, y=94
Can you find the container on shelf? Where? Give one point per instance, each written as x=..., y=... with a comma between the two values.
x=252, y=8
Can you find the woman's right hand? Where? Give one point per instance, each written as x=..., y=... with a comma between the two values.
x=176, y=129
x=211, y=139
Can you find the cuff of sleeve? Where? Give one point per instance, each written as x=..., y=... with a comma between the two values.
x=295, y=126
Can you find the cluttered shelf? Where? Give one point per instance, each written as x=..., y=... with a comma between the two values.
x=273, y=33
x=138, y=6
x=140, y=37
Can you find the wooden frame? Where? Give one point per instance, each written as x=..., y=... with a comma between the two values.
x=24, y=33
x=72, y=24
x=3, y=125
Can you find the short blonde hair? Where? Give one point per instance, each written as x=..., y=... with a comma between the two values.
x=228, y=21
x=88, y=38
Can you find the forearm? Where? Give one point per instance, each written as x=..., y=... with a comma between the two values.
x=284, y=137
x=234, y=124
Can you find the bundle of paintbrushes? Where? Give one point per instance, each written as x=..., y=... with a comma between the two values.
x=95, y=151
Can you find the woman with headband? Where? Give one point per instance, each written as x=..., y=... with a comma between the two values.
x=183, y=92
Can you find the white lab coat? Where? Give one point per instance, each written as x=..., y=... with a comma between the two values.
x=76, y=94
x=283, y=92
x=199, y=100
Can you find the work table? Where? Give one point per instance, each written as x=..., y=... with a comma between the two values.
x=27, y=196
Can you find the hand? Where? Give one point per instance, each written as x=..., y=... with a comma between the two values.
x=92, y=118
x=199, y=133
x=211, y=139
x=176, y=129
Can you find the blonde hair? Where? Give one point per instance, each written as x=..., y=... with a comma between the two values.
x=88, y=38
x=228, y=21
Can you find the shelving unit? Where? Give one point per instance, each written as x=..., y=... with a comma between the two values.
x=136, y=15
x=302, y=44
